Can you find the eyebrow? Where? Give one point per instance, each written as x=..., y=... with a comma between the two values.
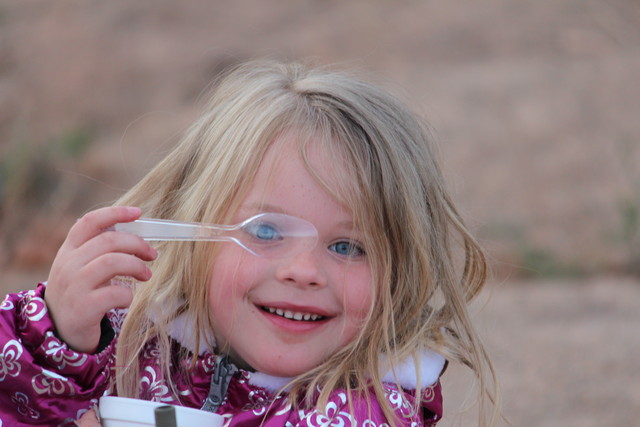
x=261, y=207
x=347, y=223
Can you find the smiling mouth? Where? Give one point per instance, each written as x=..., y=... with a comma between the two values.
x=293, y=315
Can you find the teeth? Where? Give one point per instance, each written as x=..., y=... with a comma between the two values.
x=293, y=315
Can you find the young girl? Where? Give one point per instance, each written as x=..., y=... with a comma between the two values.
x=348, y=325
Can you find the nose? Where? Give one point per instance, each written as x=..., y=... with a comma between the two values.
x=303, y=270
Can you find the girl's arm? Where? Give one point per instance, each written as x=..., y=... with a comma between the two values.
x=42, y=380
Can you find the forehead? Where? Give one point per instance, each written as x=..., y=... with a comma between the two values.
x=293, y=155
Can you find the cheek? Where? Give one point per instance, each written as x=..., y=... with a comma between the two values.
x=358, y=294
x=226, y=273
x=358, y=302
x=220, y=284
x=224, y=293
x=228, y=268
x=234, y=274
x=217, y=294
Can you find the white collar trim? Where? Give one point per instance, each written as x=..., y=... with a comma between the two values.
x=405, y=374
x=182, y=329
x=268, y=382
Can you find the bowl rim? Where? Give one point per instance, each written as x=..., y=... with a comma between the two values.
x=112, y=408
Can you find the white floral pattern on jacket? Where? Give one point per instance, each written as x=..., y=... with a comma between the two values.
x=44, y=382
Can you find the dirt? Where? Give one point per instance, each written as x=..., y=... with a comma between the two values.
x=565, y=352
x=535, y=105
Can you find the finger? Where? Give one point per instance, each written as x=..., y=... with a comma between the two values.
x=96, y=222
x=73, y=261
x=101, y=270
x=112, y=296
x=112, y=242
x=88, y=419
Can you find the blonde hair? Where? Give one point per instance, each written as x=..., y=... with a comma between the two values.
x=396, y=193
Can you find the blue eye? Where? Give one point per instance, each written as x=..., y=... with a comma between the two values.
x=347, y=249
x=263, y=231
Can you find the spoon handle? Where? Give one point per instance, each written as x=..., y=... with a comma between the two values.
x=160, y=229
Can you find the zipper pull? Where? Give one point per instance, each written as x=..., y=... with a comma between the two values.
x=220, y=380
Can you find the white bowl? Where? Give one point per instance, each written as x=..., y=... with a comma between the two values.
x=126, y=412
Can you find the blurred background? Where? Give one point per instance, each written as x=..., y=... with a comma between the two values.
x=535, y=104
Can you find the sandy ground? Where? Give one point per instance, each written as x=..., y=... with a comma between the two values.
x=565, y=351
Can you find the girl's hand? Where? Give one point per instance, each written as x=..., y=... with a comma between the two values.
x=88, y=419
x=79, y=290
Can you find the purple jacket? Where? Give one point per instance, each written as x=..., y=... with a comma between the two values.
x=43, y=382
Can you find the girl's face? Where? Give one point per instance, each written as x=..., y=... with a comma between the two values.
x=285, y=316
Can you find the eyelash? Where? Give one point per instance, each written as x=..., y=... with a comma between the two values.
x=351, y=246
x=256, y=230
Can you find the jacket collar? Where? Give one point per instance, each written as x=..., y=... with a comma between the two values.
x=411, y=374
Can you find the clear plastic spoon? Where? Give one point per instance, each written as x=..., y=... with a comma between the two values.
x=271, y=235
